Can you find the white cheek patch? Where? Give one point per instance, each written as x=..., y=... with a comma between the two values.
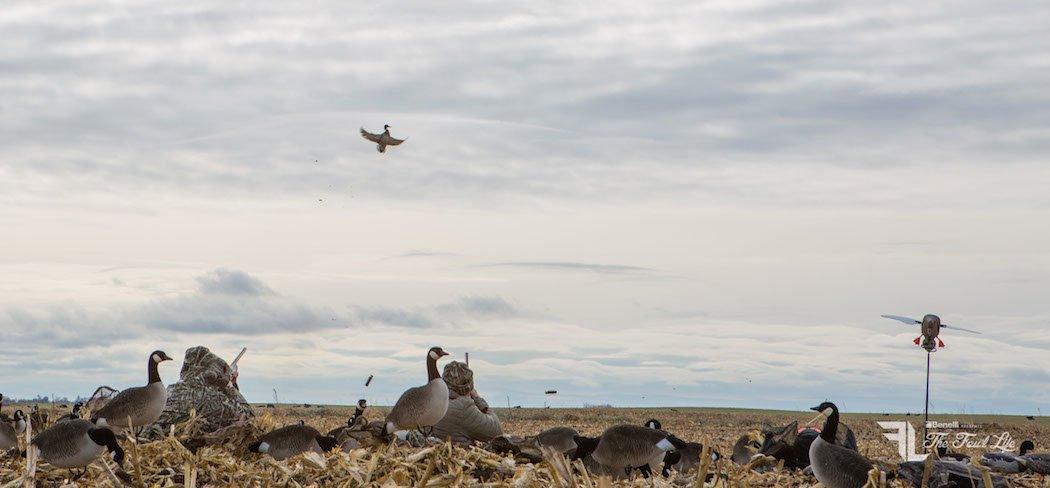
x=433, y=355
x=264, y=448
x=156, y=358
x=665, y=445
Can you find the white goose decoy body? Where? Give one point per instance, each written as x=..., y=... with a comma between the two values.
x=833, y=465
x=142, y=404
x=421, y=407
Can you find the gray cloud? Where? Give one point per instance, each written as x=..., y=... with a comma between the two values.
x=231, y=282
x=394, y=316
x=632, y=101
x=573, y=266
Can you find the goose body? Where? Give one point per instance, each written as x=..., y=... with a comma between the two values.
x=76, y=443
x=634, y=446
x=560, y=439
x=833, y=465
x=1008, y=462
x=142, y=404
x=946, y=473
x=382, y=140
x=9, y=431
x=421, y=407
x=292, y=440
x=1038, y=462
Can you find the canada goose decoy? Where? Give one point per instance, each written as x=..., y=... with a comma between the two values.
x=1036, y=462
x=359, y=411
x=931, y=326
x=291, y=440
x=76, y=443
x=424, y=406
x=382, y=140
x=654, y=424
x=1008, y=462
x=833, y=465
x=39, y=417
x=142, y=404
x=9, y=431
x=627, y=447
x=74, y=414
x=946, y=473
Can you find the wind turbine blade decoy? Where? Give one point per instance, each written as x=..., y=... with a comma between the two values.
x=952, y=327
x=906, y=320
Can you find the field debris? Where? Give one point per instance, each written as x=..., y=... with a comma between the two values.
x=185, y=457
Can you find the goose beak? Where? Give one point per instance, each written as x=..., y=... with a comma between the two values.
x=816, y=409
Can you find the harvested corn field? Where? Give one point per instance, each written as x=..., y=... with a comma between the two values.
x=187, y=459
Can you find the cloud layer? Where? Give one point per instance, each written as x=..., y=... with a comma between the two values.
x=690, y=203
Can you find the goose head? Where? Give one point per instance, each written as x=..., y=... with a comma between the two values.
x=159, y=356
x=76, y=408
x=386, y=127
x=436, y=352
x=103, y=436
x=1026, y=446
x=654, y=424
x=824, y=407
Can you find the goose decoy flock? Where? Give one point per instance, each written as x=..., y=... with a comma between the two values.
x=139, y=405
x=622, y=451
x=382, y=140
x=421, y=407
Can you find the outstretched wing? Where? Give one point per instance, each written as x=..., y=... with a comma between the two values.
x=952, y=327
x=390, y=141
x=906, y=320
x=370, y=136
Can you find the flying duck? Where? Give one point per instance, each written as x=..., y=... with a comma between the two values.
x=74, y=414
x=76, y=443
x=836, y=466
x=1008, y=462
x=291, y=440
x=422, y=406
x=382, y=140
x=143, y=404
x=9, y=431
x=626, y=447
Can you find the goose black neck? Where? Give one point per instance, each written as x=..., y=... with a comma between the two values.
x=151, y=367
x=831, y=425
x=432, y=369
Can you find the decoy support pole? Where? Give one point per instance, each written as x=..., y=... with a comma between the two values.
x=926, y=418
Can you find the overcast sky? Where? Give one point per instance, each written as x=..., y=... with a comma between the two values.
x=634, y=203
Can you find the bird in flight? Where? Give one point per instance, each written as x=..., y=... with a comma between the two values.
x=382, y=140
